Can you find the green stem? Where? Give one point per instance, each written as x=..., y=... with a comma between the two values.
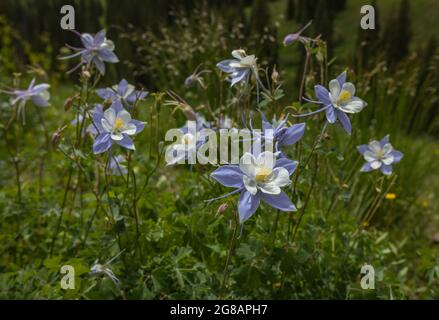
x=229, y=254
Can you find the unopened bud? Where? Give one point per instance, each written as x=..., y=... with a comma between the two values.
x=57, y=135
x=275, y=76
x=222, y=208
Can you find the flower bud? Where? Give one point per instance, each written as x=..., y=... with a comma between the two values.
x=222, y=208
x=57, y=135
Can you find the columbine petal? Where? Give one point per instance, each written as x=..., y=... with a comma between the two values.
x=140, y=125
x=345, y=122
x=375, y=164
x=287, y=164
x=126, y=142
x=386, y=169
x=102, y=143
x=355, y=105
x=279, y=201
x=330, y=115
x=247, y=165
x=334, y=88
x=322, y=94
x=349, y=87
x=342, y=78
x=250, y=184
x=397, y=156
x=292, y=134
x=247, y=205
x=228, y=176
x=366, y=167
x=363, y=148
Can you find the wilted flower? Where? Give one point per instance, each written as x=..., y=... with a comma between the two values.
x=104, y=269
x=115, y=125
x=116, y=166
x=97, y=50
x=123, y=92
x=258, y=177
x=240, y=68
x=296, y=36
x=338, y=101
x=38, y=94
x=379, y=155
x=196, y=77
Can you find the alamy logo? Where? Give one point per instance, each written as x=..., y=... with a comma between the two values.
x=68, y=281
x=68, y=20
x=368, y=280
x=368, y=20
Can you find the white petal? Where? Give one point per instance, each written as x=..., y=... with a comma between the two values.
x=349, y=87
x=269, y=188
x=355, y=105
x=250, y=184
x=334, y=88
x=107, y=127
x=388, y=159
x=375, y=146
x=266, y=159
x=116, y=136
x=280, y=177
x=130, y=89
x=369, y=156
x=387, y=148
x=130, y=129
x=247, y=164
x=110, y=116
x=375, y=164
x=124, y=116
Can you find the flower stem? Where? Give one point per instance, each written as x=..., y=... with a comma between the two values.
x=229, y=254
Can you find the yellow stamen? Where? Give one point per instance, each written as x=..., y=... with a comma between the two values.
x=118, y=124
x=262, y=174
x=344, y=96
x=390, y=196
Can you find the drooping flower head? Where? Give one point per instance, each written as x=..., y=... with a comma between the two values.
x=296, y=36
x=115, y=125
x=38, y=94
x=339, y=101
x=240, y=68
x=123, y=92
x=379, y=155
x=97, y=50
x=258, y=177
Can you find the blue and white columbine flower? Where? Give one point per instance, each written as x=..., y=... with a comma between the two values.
x=38, y=94
x=339, y=101
x=191, y=139
x=258, y=178
x=115, y=125
x=240, y=68
x=379, y=155
x=97, y=50
x=124, y=92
